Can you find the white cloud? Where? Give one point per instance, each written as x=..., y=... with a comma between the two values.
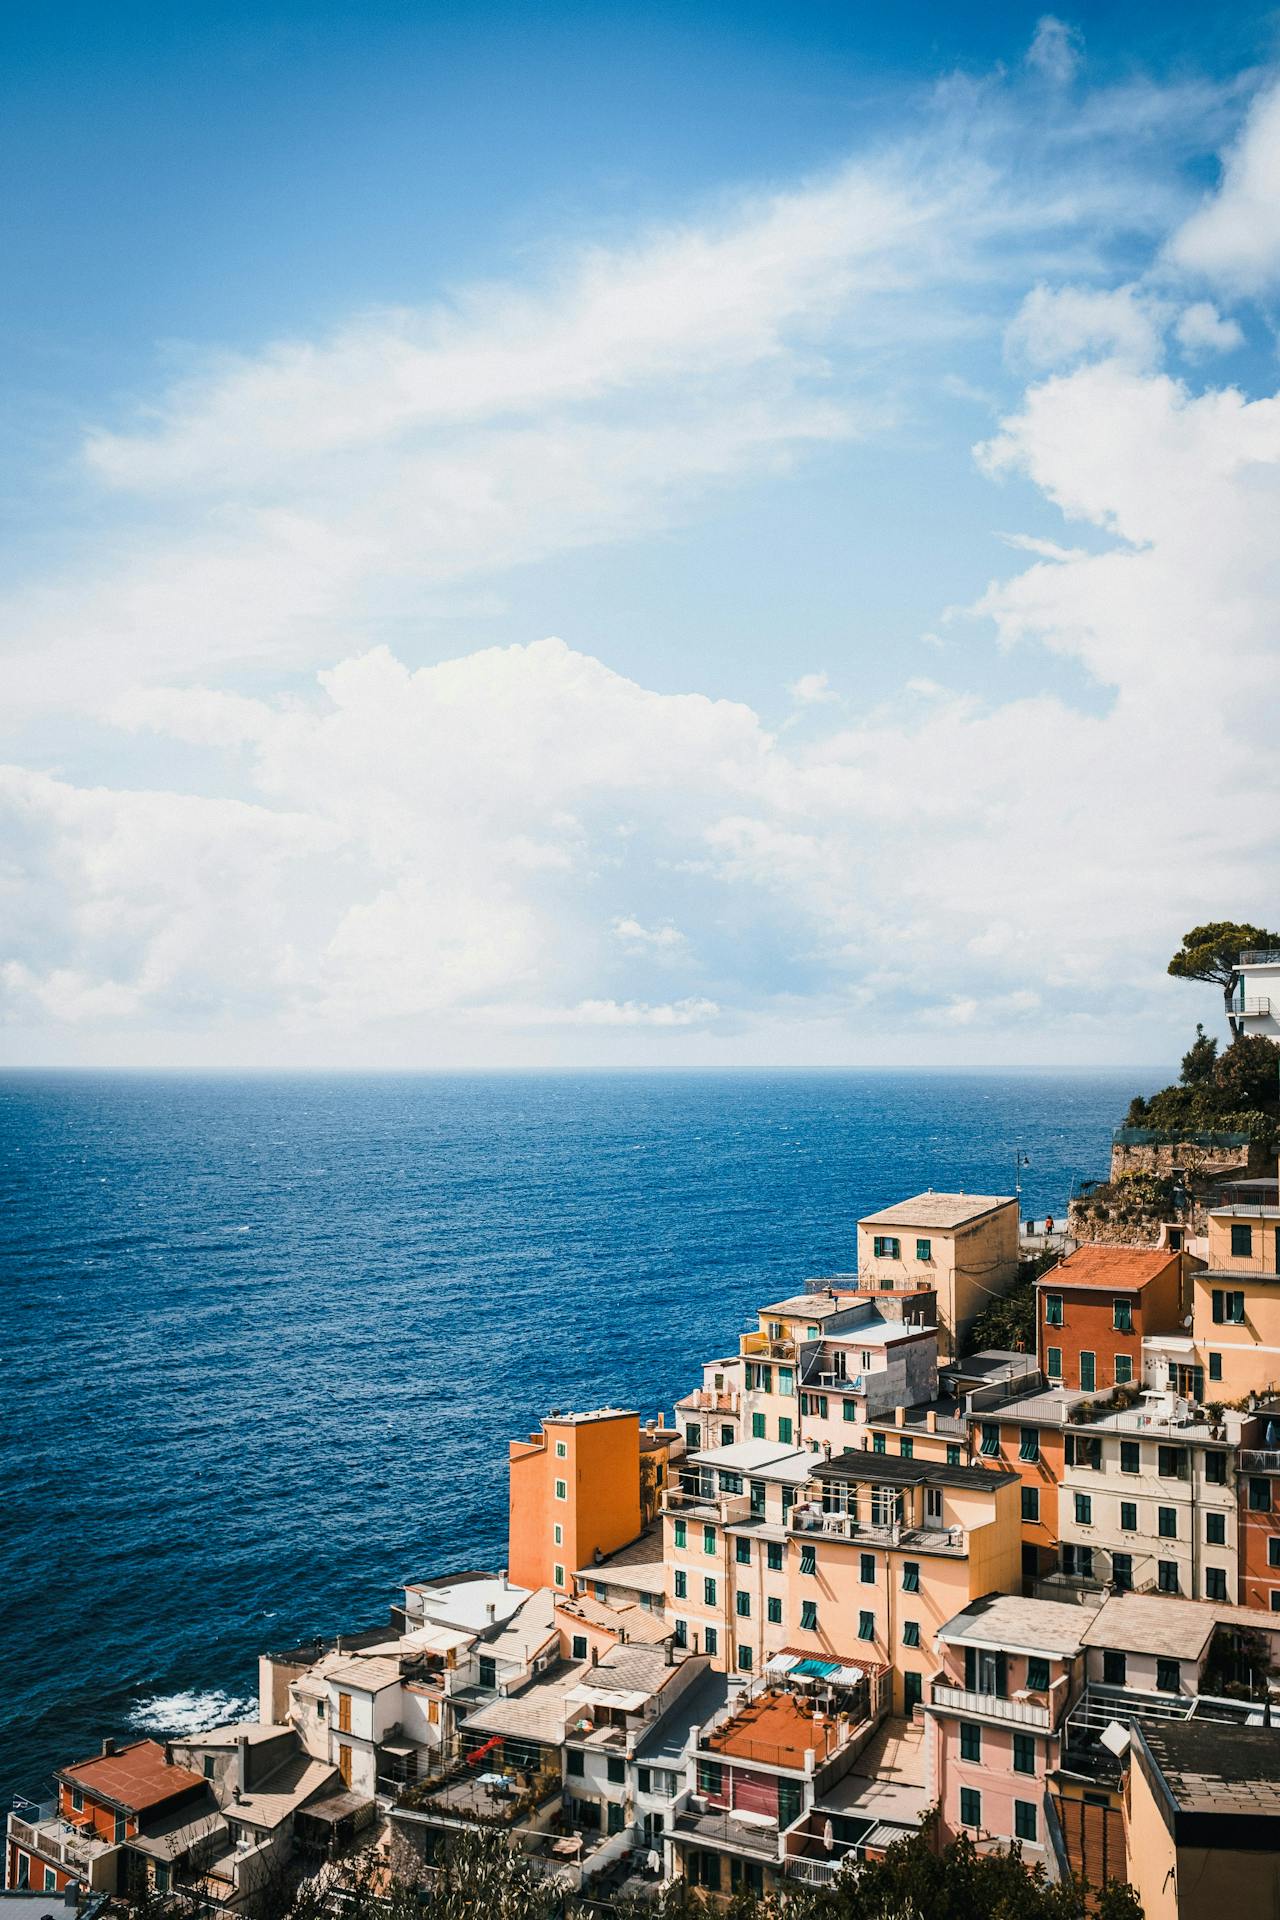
x=1056, y=50
x=1201, y=329
x=1233, y=240
x=811, y=690
x=664, y=938
x=1056, y=326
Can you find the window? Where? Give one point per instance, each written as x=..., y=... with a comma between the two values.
x=1168, y=1676
x=51, y=1879
x=1259, y=1496
x=906, y=1447
x=562, y=1451
x=1122, y=1316
x=850, y=1409
x=708, y=1593
x=1215, y=1529
x=1124, y=1369
x=1172, y=1463
x=1128, y=1516
x=886, y=1247
x=1122, y=1572
x=758, y=1499
x=785, y=1430
x=757, y=1427
x=866, y=1626
x=162, y=1877
x=1130, y=1457
x=877, y=1443
x=617, y=1769
x=579, y=1644
x=1024, y=1753
x=681, y=1635
x=557, y=1534
x=562, y=1490
x=953, y=1454
x=1028, y=1443
x=786, y=1380
x=1024, y=1819
x=1215, y=1469
x=970, y=1740
x=744, y=1659
x=742, y=1551
x=773, y=1556
x=730, y=1482
x=1077, y=1562
x=809, y=1616
x=773, y=1611
x=924, y=1250
x=1215, y=1366
x=1084, y=1510
x=1167, y=1576
x=970, y=1807
x=77, y=1797
x=681, y=1587
x=711, y=1640
x=933, y=1505
x=1228, y=1307
x=1167, y=1522
x=708, y=1539
x=1088, y=1371
x=1053, y=1309
x=911, y=1576
x=867, y=1568
x=742, y=1603
x=1273, y=1551
x=911, y=1633
x=727, y=1436
x=990, y=1438
x=710, y=1776
x=1031, y=1504
x=681, y=1533
x=1084, y=1450
x=808, y=1558
x=1241, y=1241
x=1037, y=1674
x=1053, y=1362
x=1115, y=1667
x=1215, y=1583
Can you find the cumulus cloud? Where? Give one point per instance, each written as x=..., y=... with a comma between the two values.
x=812, y=690
x=1056, y=326
x=1233, y=239
x=1201, y=329
x=664, y=938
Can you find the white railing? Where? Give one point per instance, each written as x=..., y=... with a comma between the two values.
x=1019, y=1712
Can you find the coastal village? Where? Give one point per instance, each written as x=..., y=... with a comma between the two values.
x=870, y=1575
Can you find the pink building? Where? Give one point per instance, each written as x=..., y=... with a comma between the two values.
x=1011, y=1668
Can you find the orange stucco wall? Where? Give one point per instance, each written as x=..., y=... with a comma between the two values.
x=600, y=1469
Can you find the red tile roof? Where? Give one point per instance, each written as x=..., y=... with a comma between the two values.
x=136, y=1778
x=1115, y=1269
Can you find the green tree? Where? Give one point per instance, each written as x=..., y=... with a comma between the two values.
x=1211, y=951
x=1248, y=1074
x=1199, y=1060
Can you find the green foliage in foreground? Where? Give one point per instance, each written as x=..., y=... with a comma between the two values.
x=479, y=1878
x=1233, y=1092
x=1008, y=1324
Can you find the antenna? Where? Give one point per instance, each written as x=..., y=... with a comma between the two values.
x=1020, y=1160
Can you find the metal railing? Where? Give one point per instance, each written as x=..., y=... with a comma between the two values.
x=1259, y=957
x=1257, y=1007
x=1019, y=1713
x=1260, y=1459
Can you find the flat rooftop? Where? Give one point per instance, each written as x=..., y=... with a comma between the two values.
x=811, y=1306
x=665, y=1742
x=637, y=1567
x=890, y=1781
x=1152, y=1623
x=1006, y=1620
x=1218, y=1769
x=891, y=1470
x=941, y=1210
x=766, y=1459
x=777, y=1729
x=465, y=1601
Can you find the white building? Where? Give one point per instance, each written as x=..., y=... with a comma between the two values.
x=1255, y=995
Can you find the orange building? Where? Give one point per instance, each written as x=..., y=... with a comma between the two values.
x=1094, y=1307
x=102, y=1804
x=574, y=1492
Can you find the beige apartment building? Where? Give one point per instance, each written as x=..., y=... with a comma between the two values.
x=962, y=1245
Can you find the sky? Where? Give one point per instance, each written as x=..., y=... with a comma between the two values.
x=597, y=536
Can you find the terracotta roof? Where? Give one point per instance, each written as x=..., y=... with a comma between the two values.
x=1113, y=1269
x=136, y=1778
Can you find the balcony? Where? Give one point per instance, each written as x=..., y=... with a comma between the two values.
x=1259, y=957
x=758, y=1346
x=1255, y=1008
x=55, y=1839
x=990, y=1706
x=722, y=1507
x=835, y=1382
x=707, y=1400
x=876, y=1533
x=1259, y=1460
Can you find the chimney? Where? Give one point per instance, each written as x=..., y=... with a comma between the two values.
x=669, y=1651
x=899, y=1416
x=492, y=1612
x=595, y=1656
x=168, y=1753
x=242, y=1762
x=931, y=1420
x=108, y=1747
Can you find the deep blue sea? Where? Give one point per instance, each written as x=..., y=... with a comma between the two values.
x=266, y=1339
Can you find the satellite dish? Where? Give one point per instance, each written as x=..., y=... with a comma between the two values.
x=1115, y=1739
x=1189, y=1320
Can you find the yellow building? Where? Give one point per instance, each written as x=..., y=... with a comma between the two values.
x=963, y=1245
x=575, y=1491
x=885, y=1550
x=1236, y=1299
x=1202, y=1819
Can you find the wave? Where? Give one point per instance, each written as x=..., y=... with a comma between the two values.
x=189, y=1712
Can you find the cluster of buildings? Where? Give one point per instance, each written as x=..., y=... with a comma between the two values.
x=859, y=1573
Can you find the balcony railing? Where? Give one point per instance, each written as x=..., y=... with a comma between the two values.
x=1020, y=1713
x=879, y=1533
x=1260, y=1460
x=1259, y=957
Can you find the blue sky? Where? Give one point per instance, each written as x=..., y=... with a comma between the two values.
x=584, y=536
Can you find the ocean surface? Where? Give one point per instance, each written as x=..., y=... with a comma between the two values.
x=266, y=1339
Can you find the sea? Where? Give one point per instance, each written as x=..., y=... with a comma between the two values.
x=266, y=1337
